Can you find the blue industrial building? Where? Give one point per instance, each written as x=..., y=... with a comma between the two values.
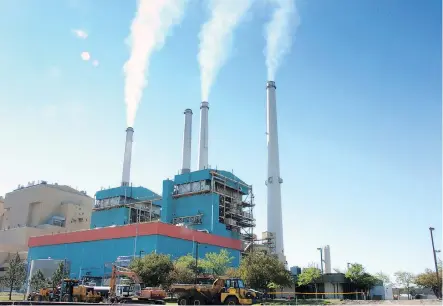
x=210, y=207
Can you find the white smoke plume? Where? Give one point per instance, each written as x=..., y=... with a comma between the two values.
x=216, y=38
x=278, y=34
x=152, y=22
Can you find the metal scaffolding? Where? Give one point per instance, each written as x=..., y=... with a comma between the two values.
x=236, y=203
x=143, y=211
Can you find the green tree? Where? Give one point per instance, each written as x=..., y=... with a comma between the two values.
x=355, y=273
x=259, y=270
x=38, y=281
x=188, y=261
x=428, y=279
x=59, y=274
x=383, y=277
x=15, y=275
x=217, y=263
x=360, y=278
x=181, y=275
x=405, y=280
x=233, y=273
x=309, y=276
x=368, y=281
x=154, y=269
x=184, y=270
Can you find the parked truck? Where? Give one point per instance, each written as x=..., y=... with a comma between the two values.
x=224, y=290
x=133, y=292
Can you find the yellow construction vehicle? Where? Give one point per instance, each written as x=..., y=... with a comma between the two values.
x=44, y=294
x=71, y=291
x=224, y=290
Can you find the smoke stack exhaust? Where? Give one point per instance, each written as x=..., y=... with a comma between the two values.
x=273, y=182
x=127, y=159
x=187, y=143
x=203, y=142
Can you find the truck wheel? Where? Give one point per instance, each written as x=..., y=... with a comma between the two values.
x=231, y=300
x=197, y=301
x=37, y=298
x=183, y=301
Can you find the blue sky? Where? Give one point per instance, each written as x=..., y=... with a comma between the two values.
x=359, y=107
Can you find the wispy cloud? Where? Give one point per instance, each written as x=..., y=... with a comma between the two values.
x=95, y=63
x=85, y=56
x=80, y=33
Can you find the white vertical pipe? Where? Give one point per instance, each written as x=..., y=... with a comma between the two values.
x=30, y=273
x=127, y=158
x=327, y=251
x=187, y=142
x=203, y=142
x=275, y=223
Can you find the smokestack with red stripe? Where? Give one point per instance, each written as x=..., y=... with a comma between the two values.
x=127, y=159
x=187, y=143
x=203, y=143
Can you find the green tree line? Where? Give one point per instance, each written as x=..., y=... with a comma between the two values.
x=15, y=276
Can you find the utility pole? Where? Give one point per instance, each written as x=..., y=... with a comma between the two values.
x=321, y=259
x=431, y=229
x=196, y=262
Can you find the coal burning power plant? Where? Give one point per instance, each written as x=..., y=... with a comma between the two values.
x=198, y=211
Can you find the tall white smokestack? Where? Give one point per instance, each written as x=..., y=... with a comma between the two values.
x=275, y=223
x=187, y=144
x=127, y=159
x=203, y=142
x=327, y=252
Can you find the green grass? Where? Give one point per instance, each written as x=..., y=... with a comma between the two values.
x=4, y=296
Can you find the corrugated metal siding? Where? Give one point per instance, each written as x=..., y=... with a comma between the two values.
x=177, y=248
x=139, y=193
x=116, y=216
x=205, y=174
x=94, y=257
x=206, y=204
